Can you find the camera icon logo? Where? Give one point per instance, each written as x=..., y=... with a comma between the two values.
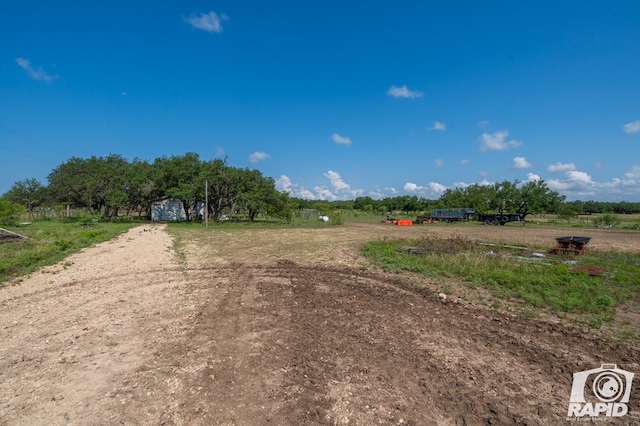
x=603, y=391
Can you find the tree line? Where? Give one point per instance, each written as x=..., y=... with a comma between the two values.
x=113, y=186
x=533, y=197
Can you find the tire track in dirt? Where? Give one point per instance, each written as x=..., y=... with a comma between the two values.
x=291, y=344
x=218, y=373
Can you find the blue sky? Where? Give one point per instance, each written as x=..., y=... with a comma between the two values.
x=333, y=99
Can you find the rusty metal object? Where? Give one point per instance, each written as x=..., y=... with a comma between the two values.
x=571, y=245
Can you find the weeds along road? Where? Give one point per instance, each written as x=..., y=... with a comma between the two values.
x=276, y=326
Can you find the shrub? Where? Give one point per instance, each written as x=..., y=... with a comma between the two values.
x=10, y=212
x=606, y=220
x=336, y=218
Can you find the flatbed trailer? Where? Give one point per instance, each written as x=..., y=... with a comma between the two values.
x=501, y=219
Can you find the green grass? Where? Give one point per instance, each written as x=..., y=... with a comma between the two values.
x=51, y=241
x=545, y=283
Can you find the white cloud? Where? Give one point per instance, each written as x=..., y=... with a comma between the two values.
x=258, y=156
x=219, y=151
x=323, y=193
x=574, y=184
x=634, y=173
x=209, y=22
x=579, y=177
x=439, y=162
x=390, y=190
x=284, y=184
x=337, y=182
x=465, y=161
x=521, y=163
x=483, y=124
x=532, y=177
x=454, y=185
x=561, y=167
x=378, y=193
x=35, y=73
x=497, y=141
x=411, y=187
x=579, y=185
x=559, y=185
x=338, y=189
x=436, y=188
x=344, y=140
x=463, y=185
x=438, y=126
x=403, y=92
x=633, y=127
x=305, y=193
x=431, y=190
x=574, y=181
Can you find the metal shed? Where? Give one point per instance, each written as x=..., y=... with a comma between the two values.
x=167, y=209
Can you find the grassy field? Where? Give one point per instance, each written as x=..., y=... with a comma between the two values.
x=51, y=241
x=510, y=274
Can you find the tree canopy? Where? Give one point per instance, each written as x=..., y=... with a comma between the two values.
x=505, y=197
x=112, y=185
x=28, y=192
x=108, y=185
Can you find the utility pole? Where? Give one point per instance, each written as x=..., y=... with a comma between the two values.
x=206, y=203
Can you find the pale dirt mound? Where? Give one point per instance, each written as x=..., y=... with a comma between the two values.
x=247, y=335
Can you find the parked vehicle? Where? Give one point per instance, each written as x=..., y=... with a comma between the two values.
x=501, y=218
x=447, y=215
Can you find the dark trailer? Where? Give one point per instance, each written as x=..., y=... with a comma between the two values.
x=452, y=215
x=501, y=219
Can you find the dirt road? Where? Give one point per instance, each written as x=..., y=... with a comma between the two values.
x=282, y=327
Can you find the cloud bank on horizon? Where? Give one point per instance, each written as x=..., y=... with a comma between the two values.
x=573, y=183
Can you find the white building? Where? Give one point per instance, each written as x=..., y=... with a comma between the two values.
x=171, y=209
x=167, y=209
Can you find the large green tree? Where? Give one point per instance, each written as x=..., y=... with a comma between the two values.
x=96, y=183
x=504, y=197
x=536, y=197
x=179, y=177
x=258, y=194
x=142, y=184
x=28, y=192
x=220, y=186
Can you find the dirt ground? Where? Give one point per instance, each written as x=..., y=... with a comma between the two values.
x=283, y=327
